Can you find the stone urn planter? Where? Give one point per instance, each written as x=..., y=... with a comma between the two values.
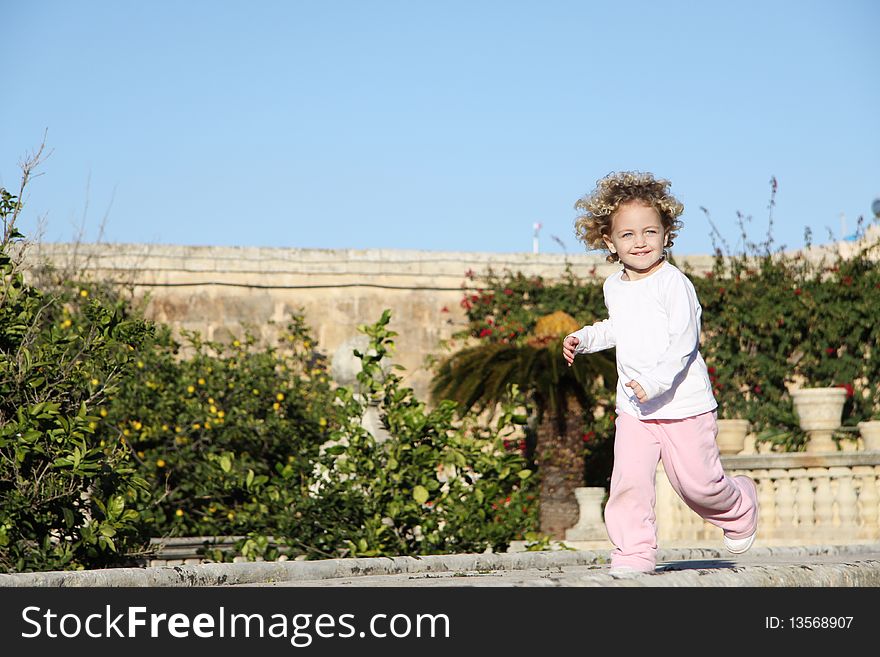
x=590, y=525
x=819, y=411
x=731, y=436
x=870, y=431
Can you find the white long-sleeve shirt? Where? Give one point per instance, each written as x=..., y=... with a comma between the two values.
x=654, y=322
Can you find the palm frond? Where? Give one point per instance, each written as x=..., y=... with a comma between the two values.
x=479, y=376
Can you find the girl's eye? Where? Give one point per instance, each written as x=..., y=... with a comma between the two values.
x=626, y=235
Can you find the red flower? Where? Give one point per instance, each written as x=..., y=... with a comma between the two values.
x=444, y=309
x=587, y=437
x=830, y=351
x=850, y=391
x=485, y=332
x=711, y=370
x=757, y=389
x=508, y=291
x=469, y=273
x=797, y=291
x=846, y=280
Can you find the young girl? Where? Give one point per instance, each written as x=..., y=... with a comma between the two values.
x=665, y=406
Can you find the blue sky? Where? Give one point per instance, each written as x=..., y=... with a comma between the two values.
x=451, y=125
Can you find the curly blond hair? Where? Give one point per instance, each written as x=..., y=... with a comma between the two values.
x=598, y=208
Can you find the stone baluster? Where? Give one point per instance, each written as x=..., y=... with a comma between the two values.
x=804, y=501
x=823, y=503
x=766, y=504
x=869, y=502
x=784, y=499
x=846, y=502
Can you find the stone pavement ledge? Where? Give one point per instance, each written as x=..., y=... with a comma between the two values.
x=809, y=566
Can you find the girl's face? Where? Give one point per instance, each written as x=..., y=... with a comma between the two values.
x=638, y=238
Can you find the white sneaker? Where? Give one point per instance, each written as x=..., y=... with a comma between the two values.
x=739, y=545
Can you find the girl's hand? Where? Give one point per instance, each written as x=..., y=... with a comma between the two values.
x=636, y=388
x=568, y=347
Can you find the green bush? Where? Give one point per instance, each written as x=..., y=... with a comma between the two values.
x=246, y=440
x=66, y=495
x=217, y=428
x=435, y=485
x=773, y=320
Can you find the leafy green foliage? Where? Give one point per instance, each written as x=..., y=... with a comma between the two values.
x=773, y=321
x=240, y=439
x=65, y=494
x=437, y=484
x=223, y=430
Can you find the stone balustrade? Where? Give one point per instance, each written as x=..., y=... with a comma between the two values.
x=804, y=499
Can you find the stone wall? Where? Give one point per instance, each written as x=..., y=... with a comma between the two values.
x=220, y=290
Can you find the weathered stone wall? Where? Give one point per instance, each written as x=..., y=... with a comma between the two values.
x=220, y=290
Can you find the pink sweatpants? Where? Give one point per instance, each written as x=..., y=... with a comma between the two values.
x=692, y=463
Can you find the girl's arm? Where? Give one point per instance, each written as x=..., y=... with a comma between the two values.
x=684, y=339
x=597, y=337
